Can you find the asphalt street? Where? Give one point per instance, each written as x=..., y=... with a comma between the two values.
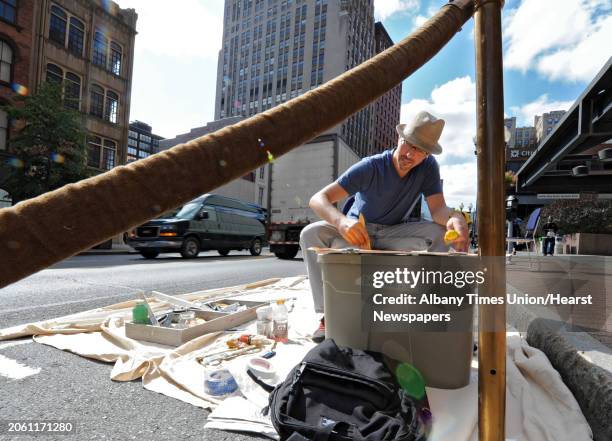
x=64, y=386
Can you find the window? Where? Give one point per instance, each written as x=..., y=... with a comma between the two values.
x=7, y=10
x=112, y=104
x=57, y=25
x=105, y=55
x=100, y=48
x=104, y=104
x=260, y=196
x=76, y=36
x=54, y=74
x=72, y=91
x=71, y=85
x=96, y=106
x=3, y=129
x=6, y=61
x=94, y=149
x=108, y=156
x=101, y=152
x=262, y=172
x=115, y=59
x=132, y=134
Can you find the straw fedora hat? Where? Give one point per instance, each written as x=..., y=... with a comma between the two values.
x=424, y=132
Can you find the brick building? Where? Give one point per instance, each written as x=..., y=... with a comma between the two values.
x=16, y=64
x=89, y=46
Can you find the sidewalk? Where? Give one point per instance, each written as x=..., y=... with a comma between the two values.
x=583, y=359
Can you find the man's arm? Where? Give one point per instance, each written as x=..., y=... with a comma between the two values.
x=322, y=204
x=452, y=220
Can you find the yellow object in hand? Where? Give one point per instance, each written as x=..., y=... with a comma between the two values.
x=451, y=236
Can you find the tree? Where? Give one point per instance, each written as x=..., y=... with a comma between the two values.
x=49, y=149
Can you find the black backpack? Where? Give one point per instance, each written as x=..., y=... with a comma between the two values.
x=338, y=394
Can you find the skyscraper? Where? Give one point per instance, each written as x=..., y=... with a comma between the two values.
x=275, y=50
x=387, y=108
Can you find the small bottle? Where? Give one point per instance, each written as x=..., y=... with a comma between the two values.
x=140, y=314
x=280, y=322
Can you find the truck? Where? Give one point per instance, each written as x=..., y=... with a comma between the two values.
x=293, y=179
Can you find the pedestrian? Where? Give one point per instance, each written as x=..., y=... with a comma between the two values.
x=550, y=232
x=516, y=232
x=385, y=186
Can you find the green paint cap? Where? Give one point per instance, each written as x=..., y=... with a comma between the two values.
x=411, y=380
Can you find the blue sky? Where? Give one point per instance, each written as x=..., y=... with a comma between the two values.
x=552, y=50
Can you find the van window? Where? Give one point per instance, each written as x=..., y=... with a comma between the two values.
x=230, y=203
x=188, y=211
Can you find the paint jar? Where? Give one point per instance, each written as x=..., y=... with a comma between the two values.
x=264, y=321
x=219, y=382
x=140, y=314
x=187, y=319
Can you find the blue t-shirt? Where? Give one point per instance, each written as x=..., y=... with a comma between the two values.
x=380, y=194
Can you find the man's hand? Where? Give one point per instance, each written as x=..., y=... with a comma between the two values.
x=352, y=231
x=458, y=223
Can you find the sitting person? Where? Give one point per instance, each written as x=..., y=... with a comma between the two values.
x=385, y=186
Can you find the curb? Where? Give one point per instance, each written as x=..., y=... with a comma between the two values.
x=103, y=253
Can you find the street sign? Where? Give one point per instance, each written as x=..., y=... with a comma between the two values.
x=558, y=196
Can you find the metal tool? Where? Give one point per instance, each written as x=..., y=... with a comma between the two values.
x=152, y=317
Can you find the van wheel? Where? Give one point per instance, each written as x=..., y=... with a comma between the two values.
x=190, y=248
x=223, y=252
x=288, y=253
x=149, y=254
x=255, y=247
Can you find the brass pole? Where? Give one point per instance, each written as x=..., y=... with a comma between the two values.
x=491, y=218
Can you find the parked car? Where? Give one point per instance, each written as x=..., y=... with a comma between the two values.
x=210, y=222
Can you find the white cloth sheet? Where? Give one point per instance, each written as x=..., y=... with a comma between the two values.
x=539, y=407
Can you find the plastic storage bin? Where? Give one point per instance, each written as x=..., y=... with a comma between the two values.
x=444, y=358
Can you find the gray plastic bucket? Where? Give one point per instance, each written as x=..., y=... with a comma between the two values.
x=444, y=358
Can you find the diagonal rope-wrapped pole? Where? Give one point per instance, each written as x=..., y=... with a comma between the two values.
x=41, y=231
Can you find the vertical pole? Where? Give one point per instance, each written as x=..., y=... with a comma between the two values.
x=491, y=218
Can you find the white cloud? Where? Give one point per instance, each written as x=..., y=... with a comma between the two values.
x=582, y=61
x=175, y=60
x=526, y=113
x=384, y=9
x=192, y=30
x=455, y=102
x=561, y=41
x=420, y=19
x=460, y=184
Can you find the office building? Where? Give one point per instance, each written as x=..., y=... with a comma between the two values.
x=141, y=141
x=387, y=108
x=252, y=187
x=545, y=123
x=275, y=50
x=521, y=145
